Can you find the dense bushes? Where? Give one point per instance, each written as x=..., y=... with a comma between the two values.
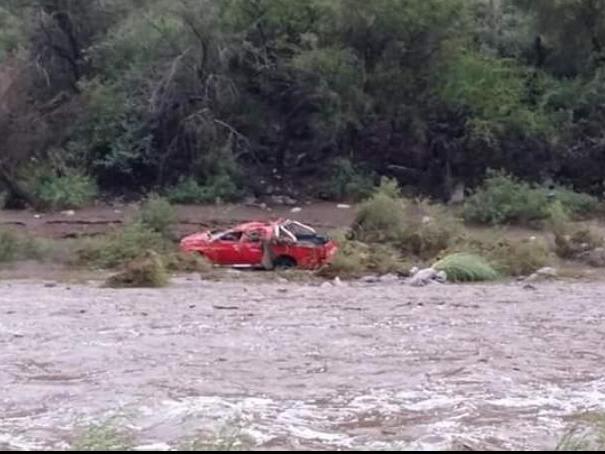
x=68, y=191
x=503, y=199
x=200, y=100
x=218, y=189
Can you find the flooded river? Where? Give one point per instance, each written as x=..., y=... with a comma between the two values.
x=300, y=366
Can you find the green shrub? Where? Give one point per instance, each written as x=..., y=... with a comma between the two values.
x=503, y=199
x=218, y=188
x=3, y=199
x=147, y=271
x=576, y=203
x=158, y=215
x=382, y=216
x=347, y=183
x=69, y=191
x=464, y=267
x=122, y=246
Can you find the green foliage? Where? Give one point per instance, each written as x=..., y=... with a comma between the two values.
x=503, y=199
x=586, y=432
x=558, y=219
x=495, y=89
x=578, y=204
x=122, y=246
x=158, y=215
x=3, y=199
x=108, y=138
x=68, y=191
x=345, y=182
x=189, y=191
x=202, y=92
x=464, y=267
x=230, y=437
x=382, y=216
x=102, y=437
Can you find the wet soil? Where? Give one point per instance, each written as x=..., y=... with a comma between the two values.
x=101, y=219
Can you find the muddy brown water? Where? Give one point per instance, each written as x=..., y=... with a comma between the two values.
x=301, y=366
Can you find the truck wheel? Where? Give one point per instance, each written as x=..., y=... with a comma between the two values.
x=284, y=263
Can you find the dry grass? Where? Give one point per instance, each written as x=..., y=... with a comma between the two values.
x=147, y=271
x=184, y=262
x=356, y=259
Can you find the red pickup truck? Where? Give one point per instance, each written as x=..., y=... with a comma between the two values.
x=266, y=244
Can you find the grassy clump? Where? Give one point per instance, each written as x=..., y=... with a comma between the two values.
x=587, y=433
x=356, y=259
x=102, y=437
x=187, y=263
x=147, y=271
x=571, y=245
x=465, y=267
x=519, y=257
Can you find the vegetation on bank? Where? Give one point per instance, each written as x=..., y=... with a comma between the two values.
x=390, y=235
x=211, y=100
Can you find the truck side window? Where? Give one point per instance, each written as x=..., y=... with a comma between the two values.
x=231, y=236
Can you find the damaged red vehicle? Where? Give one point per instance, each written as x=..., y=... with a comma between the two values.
x=278, y=244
